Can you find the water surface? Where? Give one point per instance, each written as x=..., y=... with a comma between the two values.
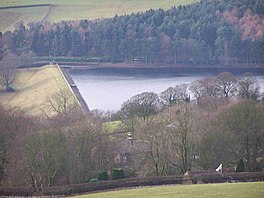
x=107, y=91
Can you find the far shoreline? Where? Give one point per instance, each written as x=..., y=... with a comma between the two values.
x=80, y=67
x=165, y=68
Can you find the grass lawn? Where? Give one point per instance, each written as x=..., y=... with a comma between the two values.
x=10, y=17
x=230, y=190
x=78, y=9
x=33, y=87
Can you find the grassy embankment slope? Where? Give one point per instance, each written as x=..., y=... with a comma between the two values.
x=78, y=9
x=33, y=88
x=233, y=190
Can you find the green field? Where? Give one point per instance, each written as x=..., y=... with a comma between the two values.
x=234, y=190
x=79, y=9
x=114, y=126
x=33, y=88
x=9, y=18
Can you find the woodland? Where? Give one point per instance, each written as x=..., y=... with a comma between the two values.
x=203, y=33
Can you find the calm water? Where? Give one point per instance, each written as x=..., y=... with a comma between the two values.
x=108, y=91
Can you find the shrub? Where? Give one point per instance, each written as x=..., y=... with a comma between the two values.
x=10, y=89
x=102, y=176
x=105, y=59
x=93, y=180
x=240, y=166
x=118, y=173
x=213, y=178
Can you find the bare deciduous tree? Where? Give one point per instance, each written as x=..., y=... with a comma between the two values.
x=227, y=84
x=144, y=104
x=128, y=115
x=8, y=67
x=197, y=90
x=63, y=102
x=7, y=70
x=181, y=140
x=14, y=127
x=215, y=148
x=153, y=133
x=248, y=87
x=182, y=93
x=46, y=155
x=90, y=151
x=175, y=94
x=210, y=87
x=168, y=97
x=169, y=139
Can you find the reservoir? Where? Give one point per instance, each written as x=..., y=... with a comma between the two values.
x=107, y=89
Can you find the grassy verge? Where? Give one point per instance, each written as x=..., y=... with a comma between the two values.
x=254, y=189
x=33, y=87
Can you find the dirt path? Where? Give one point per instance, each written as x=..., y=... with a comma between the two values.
x=48, y=13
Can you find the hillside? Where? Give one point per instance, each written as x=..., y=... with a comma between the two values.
x=75, y=10
x=33, y=88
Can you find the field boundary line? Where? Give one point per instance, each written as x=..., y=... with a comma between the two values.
x=25, y=6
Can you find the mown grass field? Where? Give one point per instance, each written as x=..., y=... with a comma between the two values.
x=230, y=190
x=33, y=87
x=79, y=9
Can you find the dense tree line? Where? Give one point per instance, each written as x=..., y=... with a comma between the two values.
x=206, y=32
x=224, y=85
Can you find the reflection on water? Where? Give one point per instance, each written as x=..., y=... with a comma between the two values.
x=108, y=92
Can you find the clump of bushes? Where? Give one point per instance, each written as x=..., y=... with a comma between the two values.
x=101, y=176
x=93, y=180
x=118, y=173
x=240, y=166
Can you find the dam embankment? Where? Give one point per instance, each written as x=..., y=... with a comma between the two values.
x=74, y=89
